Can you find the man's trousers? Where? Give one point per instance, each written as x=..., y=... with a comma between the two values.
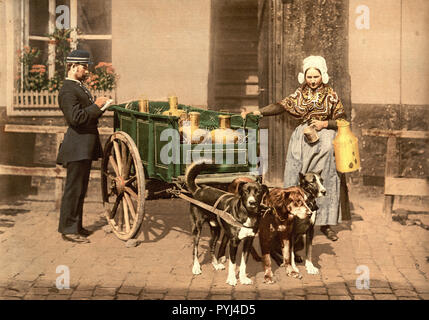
x=74, y=195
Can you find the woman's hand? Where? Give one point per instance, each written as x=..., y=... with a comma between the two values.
x=244, y=113
x=319, y=125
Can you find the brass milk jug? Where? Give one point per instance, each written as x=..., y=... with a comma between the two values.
x=224, y=134
x=144, y=105
x=192, y=132
x=346, y=148
x=174, y=110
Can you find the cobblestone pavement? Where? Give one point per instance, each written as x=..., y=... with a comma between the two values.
x=160, y=266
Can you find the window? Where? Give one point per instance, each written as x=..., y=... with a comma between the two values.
x=90, y=22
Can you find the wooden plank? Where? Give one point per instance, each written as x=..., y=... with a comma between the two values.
x=406, y=186
x=21, y=128
x=392, y=158
x=411, y=134
x=52, y=172
x=391, y=170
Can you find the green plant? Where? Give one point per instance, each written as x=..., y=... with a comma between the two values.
x=35, y=78
x=62, y=40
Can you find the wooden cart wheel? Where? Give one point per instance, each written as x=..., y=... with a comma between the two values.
x=123, y=185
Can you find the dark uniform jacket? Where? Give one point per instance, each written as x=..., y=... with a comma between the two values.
x=82, y=140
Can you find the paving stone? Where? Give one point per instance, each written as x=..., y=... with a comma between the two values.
x=363, y=297
x=82, y=294
x=244, y=295
x=356, y=291
x=271, y=295
x=405, y=293
x=34, y=297
x=422, y=288
x=220, y=297
x=294, y=297
x=385, y=297
x=57, y=297
x=10, y=298
x=103, y=298
x=130, y=290
x=174, y=297
x=151, y=296
x=399, y=286
x=295, y=292
x=99, y=291
x=126, y=297
x=338, y=292
x=316, y=290
x=381, y=290
x=340, y=297
x=13, y=293
x=197, y=295
x=424, y=296
x=317, y=297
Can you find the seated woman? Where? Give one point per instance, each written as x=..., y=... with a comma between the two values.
x=317, y=105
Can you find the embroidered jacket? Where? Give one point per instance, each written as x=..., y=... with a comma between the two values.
x=321, y=104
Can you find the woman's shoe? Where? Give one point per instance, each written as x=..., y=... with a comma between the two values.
x=329, y=233
x=76, y=238
x=84, y=232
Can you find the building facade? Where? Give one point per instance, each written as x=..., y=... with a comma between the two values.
x=226, y=55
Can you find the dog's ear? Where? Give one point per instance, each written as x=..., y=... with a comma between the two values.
x=285, y=195
x=301, y=177
x=264, y=189
x=319, y=172
x=240, y=186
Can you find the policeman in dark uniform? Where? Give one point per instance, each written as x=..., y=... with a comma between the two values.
x=80, y=146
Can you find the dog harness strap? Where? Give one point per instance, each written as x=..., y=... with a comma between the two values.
x=224, y=215
x=220, y=199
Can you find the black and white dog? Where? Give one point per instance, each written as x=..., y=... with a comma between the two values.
x=303, y=226
x=244, y=208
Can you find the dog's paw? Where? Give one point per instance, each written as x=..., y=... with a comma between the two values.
x=291, y=272
x=218, y=266
x=245, y=280
x=222, y=259
x=311, y=269
x=295, y=268
x=196, y=269
x=232, y=281
x=268, y=278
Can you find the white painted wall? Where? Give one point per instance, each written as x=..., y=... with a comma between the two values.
x=161, y=47
x=389, y=61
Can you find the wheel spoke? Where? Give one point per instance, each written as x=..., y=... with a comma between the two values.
x=124, y=157
x=127, y=166
x=114, y=165
x=118, y=156
x=131, y=180
x=108, y=175
x=126, y=217
x=130, y=206
x=115, y=207
x=131, y=193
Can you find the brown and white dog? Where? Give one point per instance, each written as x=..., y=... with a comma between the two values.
x=287, y=204
x=290, y=226
x=244, y=207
